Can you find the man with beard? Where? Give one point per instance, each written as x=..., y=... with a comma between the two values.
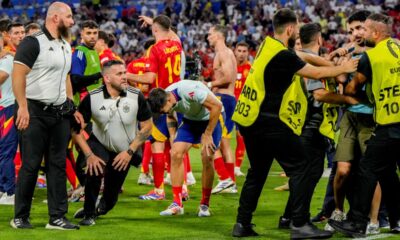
x=271, y=111
x=86, y=67
x=43, y=112
x=116, y=111
x=356, y=127
x=379, y=67
x=85, y=76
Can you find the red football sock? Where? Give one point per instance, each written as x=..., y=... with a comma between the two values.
x=146, y=157
x=189, y=167
x=177, y=192
x=18, y=163
x=206, y=194
x=230, y=168
x=219, y=166
x=167, y=152
x=158, y=169
x=240, y=149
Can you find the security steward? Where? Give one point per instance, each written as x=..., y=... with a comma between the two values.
x=380, y=68
x=115, y=110
x=271, y=111
x=44, y=109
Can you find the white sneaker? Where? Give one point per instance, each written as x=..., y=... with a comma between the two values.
x=173, y=209
x=7, y=199
x=238, y=173
x=224, y=184
x=232, y=189
x=1, y=194
x=167, y=179
x=327, y=172
x=373, y=228
x=337, y=215
x=145, y=179
x=204, y=211
x=190, y=180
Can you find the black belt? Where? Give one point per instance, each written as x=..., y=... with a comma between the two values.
x=45, y=106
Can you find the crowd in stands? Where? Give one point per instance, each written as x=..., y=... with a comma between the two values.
x=247, y=20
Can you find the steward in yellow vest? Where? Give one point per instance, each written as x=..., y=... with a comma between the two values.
x=379, y=66
x=270, y=112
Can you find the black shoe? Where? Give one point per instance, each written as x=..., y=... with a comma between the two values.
x=100, y=211
x=284, y=223
x=395, y=228
x=80, y=213
x=349, y=228
x=308, y=231
x=61, y=224
x=320, y=217
x=243, y=231
x=20, y=223
x=88, y=221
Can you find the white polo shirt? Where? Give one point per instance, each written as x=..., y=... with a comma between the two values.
x=50, y=61
x=115, y=121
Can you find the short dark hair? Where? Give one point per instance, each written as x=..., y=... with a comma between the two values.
x=89, y=24
x=377, y=17
x=107, y=65
x=149, y=42
x=243, y=44
x=13, y=25
x=221, y=29
x=4, y=24
x=31, y=26
x=282, y=18
x=360, y=16
x=157, y=99
x=309, y=32
x=163, y=21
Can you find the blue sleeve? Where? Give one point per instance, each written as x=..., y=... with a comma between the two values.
x=78, y=63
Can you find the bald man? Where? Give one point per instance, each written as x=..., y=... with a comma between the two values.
x=44, y=113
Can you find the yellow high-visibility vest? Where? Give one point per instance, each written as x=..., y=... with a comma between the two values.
x=330, y=113
x=385, y=65
x=294, y=104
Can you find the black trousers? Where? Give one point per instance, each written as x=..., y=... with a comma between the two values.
x=266, y=141
x=314, y=144
x=113, y=180
x=46, y=136
x=378, y=164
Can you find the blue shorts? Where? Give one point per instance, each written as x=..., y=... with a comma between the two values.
x=159, y=131
x=229, y=103
x=190, y=131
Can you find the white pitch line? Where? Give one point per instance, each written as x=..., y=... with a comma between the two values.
x=378, y=236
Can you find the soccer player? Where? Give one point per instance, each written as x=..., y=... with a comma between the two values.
x=164, y=69
x=103, y=47
x=138, y=66
x=243, y=68
x=201, y=111
x=224, y=68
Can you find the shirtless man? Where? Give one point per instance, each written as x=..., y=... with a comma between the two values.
x=223, y=85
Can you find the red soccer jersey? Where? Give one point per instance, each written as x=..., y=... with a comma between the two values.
x=108, y=55
x=138, y=66
x=242, y=72
x=165, y=61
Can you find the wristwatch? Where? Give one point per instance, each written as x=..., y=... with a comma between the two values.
x=130, y=152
